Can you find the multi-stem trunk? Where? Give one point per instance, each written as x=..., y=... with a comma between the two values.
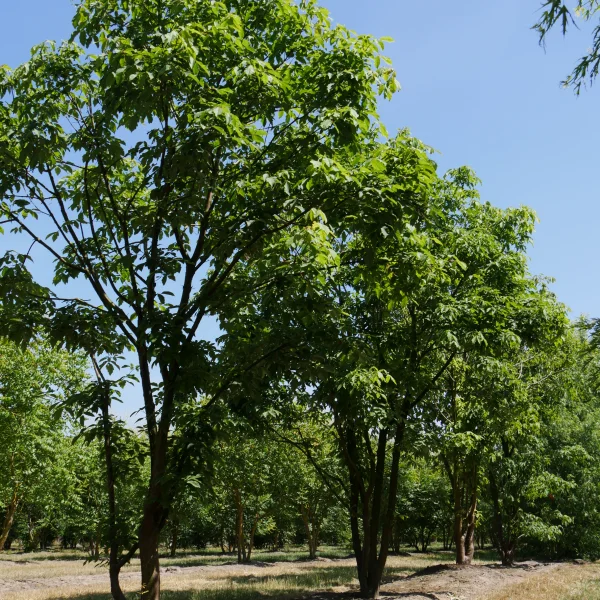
x=505, y=545
x=94, y=546
x=464, y=483
x=464, y=525
x=367, y=500
x=507, y=554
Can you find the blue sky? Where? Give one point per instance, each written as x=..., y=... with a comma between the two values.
x=478, y=88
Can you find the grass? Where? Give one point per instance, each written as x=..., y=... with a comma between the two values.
x=58, y=575
x=52, y=554
x=183, y=558
x=273, y=575
x=59, y=563
x=215, y=557
x=565, y=582
x=244, y=583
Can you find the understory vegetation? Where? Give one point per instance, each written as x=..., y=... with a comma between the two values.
x=325, y=340
x=280, y=480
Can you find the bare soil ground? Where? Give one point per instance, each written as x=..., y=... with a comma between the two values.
x=452, y=582
x=474, y=582
x=408, y=578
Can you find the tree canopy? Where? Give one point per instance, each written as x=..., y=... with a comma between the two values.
x=387, y=369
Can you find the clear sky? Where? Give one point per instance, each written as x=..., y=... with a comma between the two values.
x=478, y=88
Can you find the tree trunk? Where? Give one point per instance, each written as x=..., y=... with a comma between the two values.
x=9, y=518
x=507, y=554
x=115, y=563
x=94, y=547
x=470, y=533
x=425, y=535
x=458, y=524
x=315, y=537
x=312, y=551
x=114, y=570
x=158, y=495
x=464, y=489
x=445, y=538
x=239, y=527
x=251, y=540
x=464, y=537
x=149, y=539
x=174, y=538
x=396, y=539
x=354, y=528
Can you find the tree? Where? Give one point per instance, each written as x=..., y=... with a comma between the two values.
x=425, y=272
x=245, y=471
x=536, y=468
x=313, y=468
x=571, y=442
x=463, y=303
x=520, y=481
x=31, y=381
x=557, y=12
x=165, y=146
x=490, y=394
x=423, y=504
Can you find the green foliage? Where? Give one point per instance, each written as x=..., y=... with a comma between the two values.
x=386, y=360
x=34, y=454
x=558, y=13
x=423, y=504
x=162, y=151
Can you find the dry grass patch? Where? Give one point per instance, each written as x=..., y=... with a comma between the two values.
x=49, y=569
x=245, y=582
x=200, y=576
x=565, y=582
x=54, y=579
